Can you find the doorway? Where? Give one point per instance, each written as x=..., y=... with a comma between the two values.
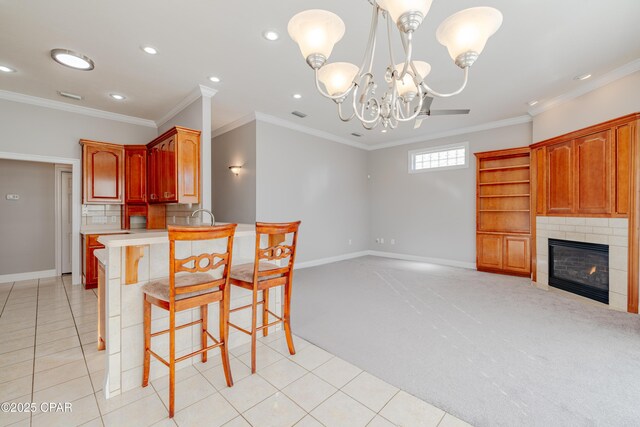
x=66, y=196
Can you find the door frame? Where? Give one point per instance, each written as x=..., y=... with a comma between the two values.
x=58, y=214
x=75, y=203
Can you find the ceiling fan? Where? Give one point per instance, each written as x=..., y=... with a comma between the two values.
x=426, y=111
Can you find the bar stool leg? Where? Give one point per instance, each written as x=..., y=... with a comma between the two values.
x=147, y=342
x=204, y=311
x=224, y=336
x=265, y=313
x=254, y=314
x=172, y=360
x=287, y=318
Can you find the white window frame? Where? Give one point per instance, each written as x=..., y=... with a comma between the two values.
x=428, y=150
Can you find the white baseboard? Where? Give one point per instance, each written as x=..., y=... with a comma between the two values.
x=329, y=260
x=6, y=278
x=440, y=261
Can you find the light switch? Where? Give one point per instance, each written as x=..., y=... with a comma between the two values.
x=13, y=197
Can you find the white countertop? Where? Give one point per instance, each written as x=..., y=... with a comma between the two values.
x=153, y=237
x=105, y=231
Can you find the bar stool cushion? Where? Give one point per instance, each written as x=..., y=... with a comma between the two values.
x=160, y=288
x=244, y=272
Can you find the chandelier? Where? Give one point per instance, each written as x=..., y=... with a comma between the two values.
x=464, y=34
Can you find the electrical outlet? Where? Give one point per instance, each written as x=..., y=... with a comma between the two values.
x=393, y=241
x=114, y=219
x=382, y=240
x=13, y=197
x=85, y=209
x=350, y=242
x=377, y=240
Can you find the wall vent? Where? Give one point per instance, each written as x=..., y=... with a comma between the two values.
x=299, y=114
x=70, y=95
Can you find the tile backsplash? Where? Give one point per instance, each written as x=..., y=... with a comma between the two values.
x=101, y=216
x=181, y=214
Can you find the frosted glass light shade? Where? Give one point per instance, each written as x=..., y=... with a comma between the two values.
x=397, y=8
x=468, y=30
x=316, y=31
x=337, y=77
x=406, y=85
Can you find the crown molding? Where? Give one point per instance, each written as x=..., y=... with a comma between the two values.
x=207, y=91
x=266, y=118
x=233, y=125
x=588, y=86
x=199, y=91
x=71, y=108
x=461, y=131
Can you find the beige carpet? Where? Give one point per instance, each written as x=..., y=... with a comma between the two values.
x=490, y=349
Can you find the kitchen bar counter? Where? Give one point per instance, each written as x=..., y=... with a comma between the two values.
x=123, y=303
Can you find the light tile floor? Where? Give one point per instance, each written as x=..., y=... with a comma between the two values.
x=48, y=354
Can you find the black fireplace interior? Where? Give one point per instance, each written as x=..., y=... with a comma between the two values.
x=581, y=268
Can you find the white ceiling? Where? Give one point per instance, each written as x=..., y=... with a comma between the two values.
x=541, y=46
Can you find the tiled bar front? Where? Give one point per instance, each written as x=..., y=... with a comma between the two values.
x=608, y=231
x=124, y=310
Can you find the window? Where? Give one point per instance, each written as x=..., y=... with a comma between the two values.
x=444, y=157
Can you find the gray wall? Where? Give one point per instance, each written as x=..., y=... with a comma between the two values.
x=234, y=197
x=27, y=226
x=190, y=117
x=322, y=183
x=431, y=214
x=616, y=99
x=47, y=132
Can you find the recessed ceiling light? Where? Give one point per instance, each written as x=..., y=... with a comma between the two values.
x=271, y=35
x=532, y=103
x=117, y=96
x=150, y=50
x=72, y=59
x=582, y=77
x=70, y=95
x=356, y=134
x=215, y=79
x=6, y=69
x=297, y=96
x=384, y=131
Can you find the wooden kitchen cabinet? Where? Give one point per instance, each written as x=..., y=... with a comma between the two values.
x=517, y=257
x=90, y=262
x=174, y=167
x=504, y=253
x=593, y=174
x=102, y=173
x=489, y=251
x=135, y=164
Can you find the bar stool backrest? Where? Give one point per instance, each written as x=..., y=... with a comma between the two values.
x=281, y=240
x=207, y=262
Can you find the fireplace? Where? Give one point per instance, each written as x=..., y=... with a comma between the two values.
x=581, y=268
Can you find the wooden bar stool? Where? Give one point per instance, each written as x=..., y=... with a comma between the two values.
x=262, y=275
x=191, y=284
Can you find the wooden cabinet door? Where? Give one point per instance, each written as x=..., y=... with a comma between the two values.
x=92, y=269
x=517, y=258
x=622, y=152
x=560, y=178
x=136, y=175
x=188, y=169
x=103, y=173
x=169, y=175
x=152, y=178
x=592, y=174
x=489, y=251
x=539, y=156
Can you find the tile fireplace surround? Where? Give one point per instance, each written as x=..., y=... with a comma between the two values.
x=606, y=231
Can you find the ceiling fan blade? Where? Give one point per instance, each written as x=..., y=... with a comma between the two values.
x=418, y=122
x=447, y=112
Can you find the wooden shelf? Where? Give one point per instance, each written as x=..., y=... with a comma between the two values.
x=503, y=195
x=525, y=181
x=503, y=220
x=501, y=168
x=503, y=210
